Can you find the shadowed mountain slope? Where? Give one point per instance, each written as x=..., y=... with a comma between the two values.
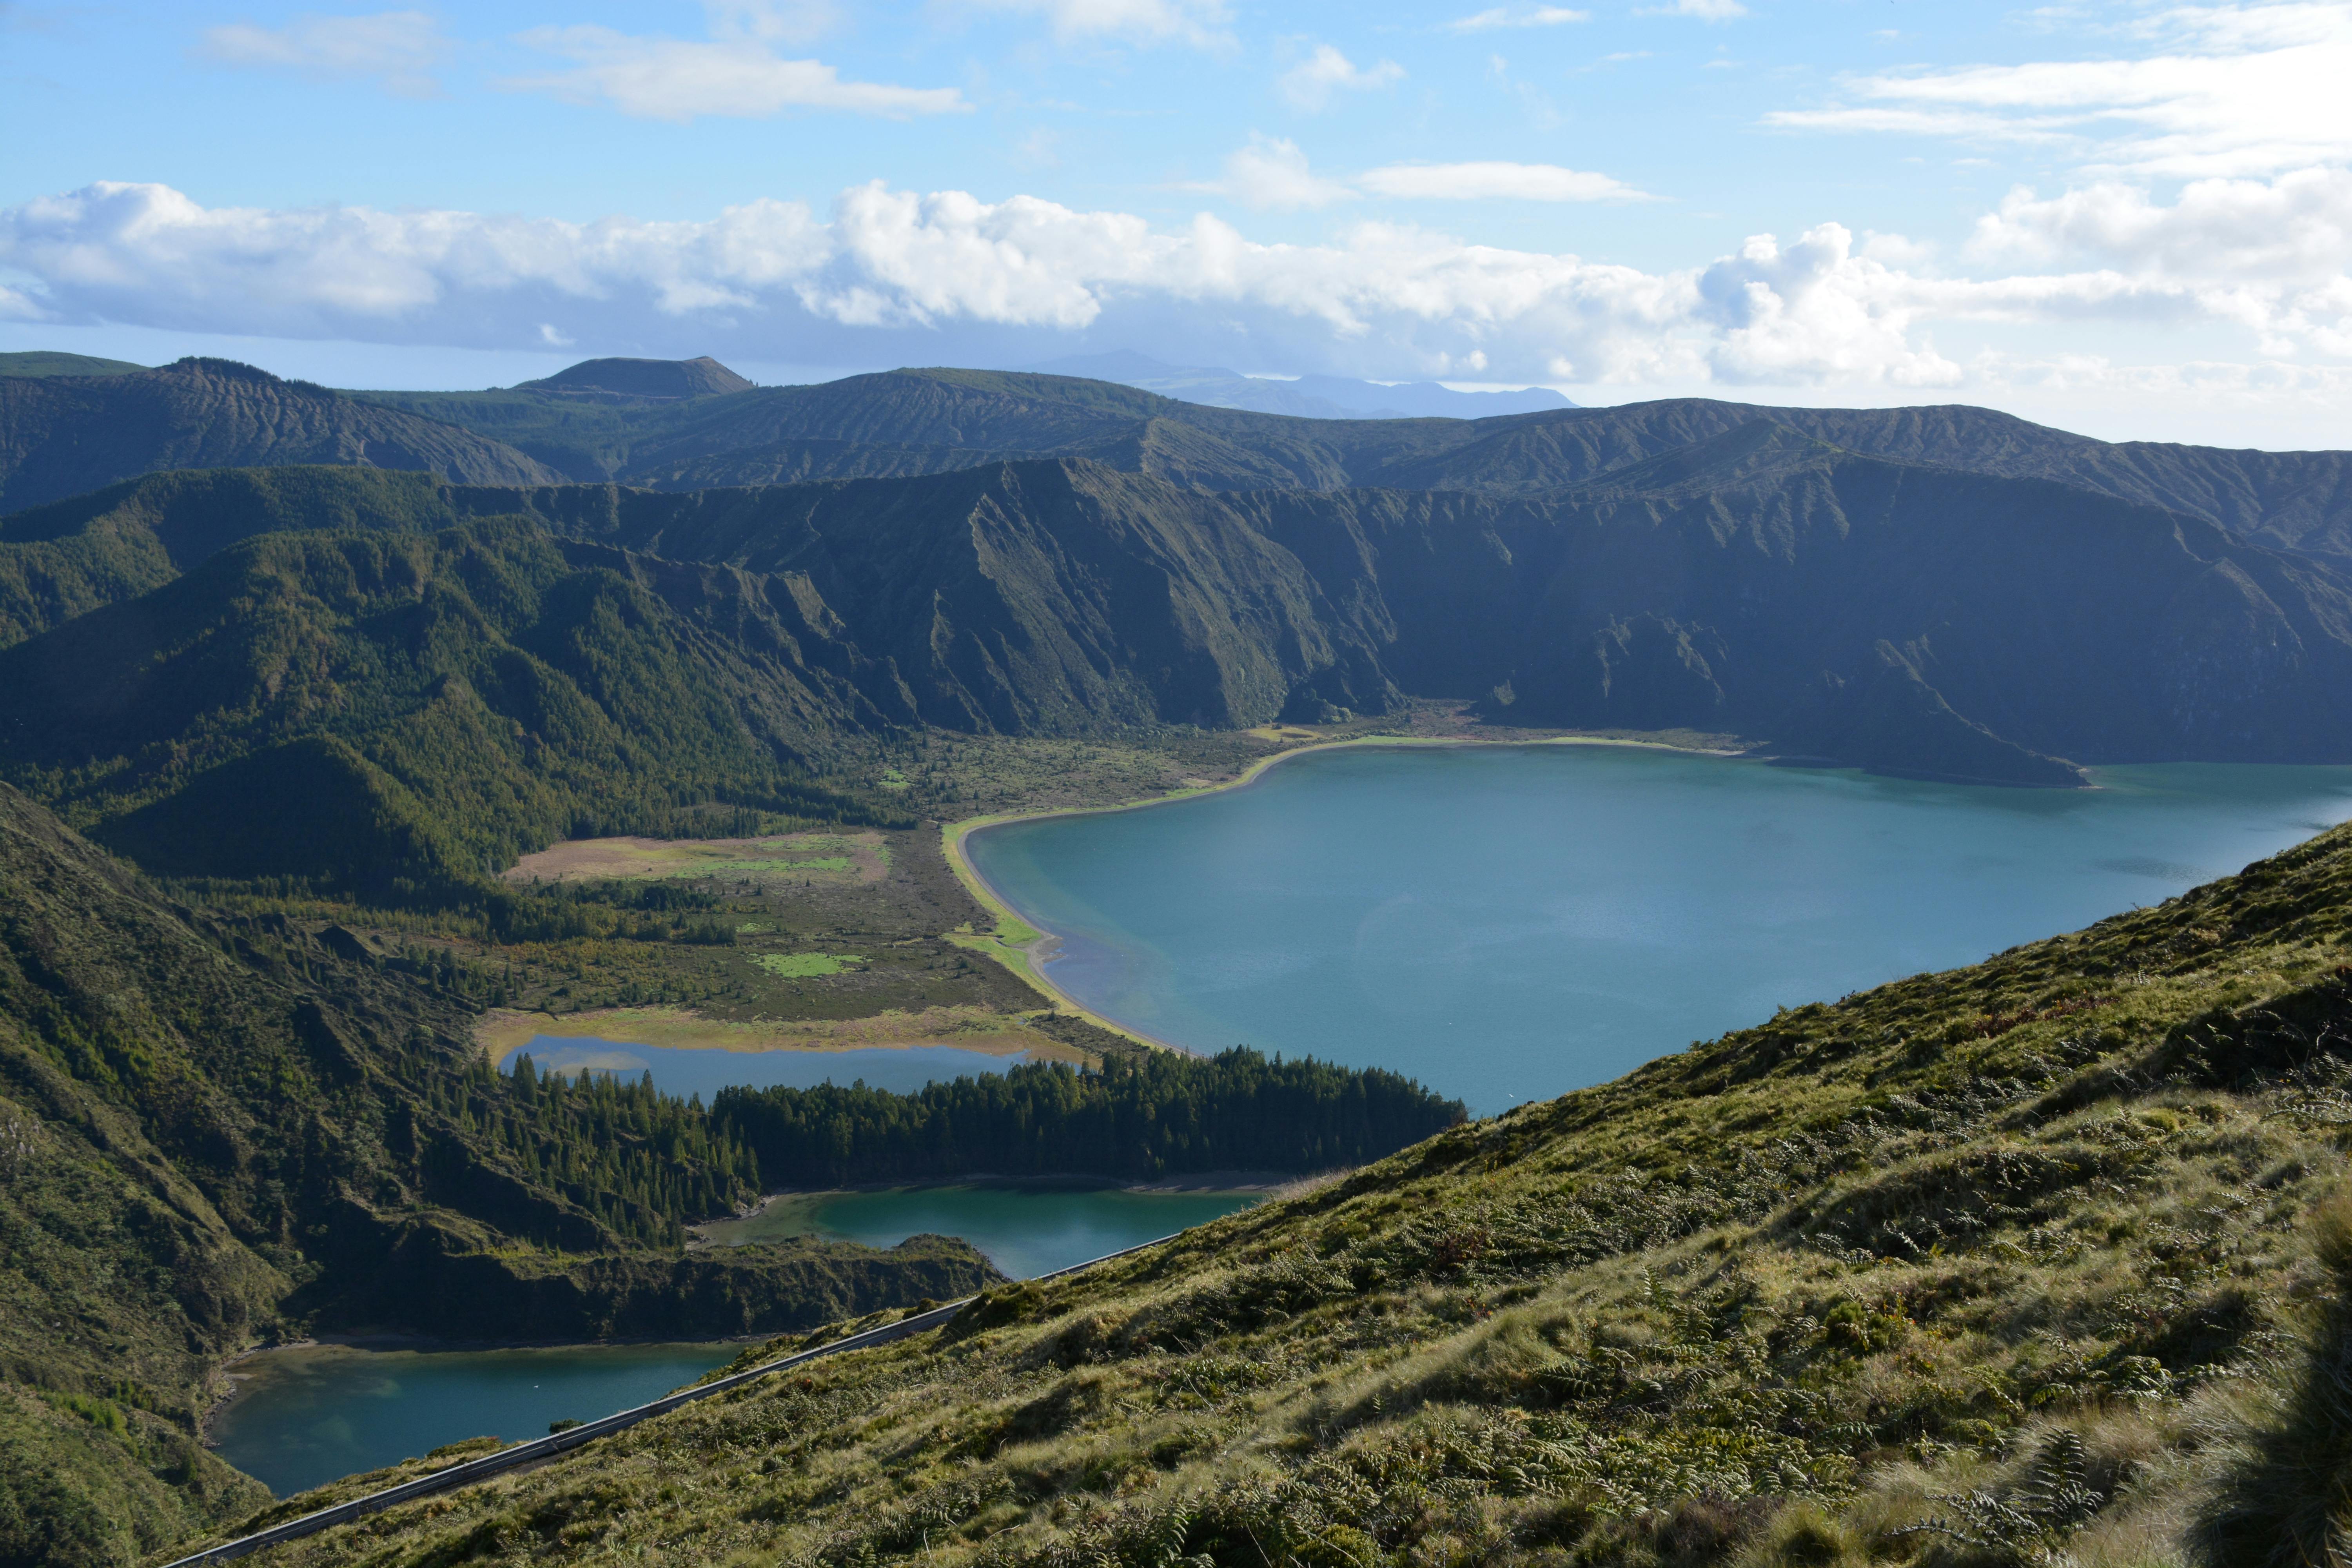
x=2296, y=499
x=63, y=436
x=1909, y=617
x=217, y=1130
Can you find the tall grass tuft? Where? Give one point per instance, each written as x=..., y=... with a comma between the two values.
x=2288, y=1503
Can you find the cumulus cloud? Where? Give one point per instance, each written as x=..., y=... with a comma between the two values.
x=1199, y=22
x=735, y=73
x=401, y=49
x=2230, y=89
x=2273, y=255
x=1309, y=85
x=1272, y=173
x=1503, y=17
x=1509, y=182
x=772, y=280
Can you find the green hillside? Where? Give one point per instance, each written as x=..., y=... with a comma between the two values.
x=62, y=559
x=218, y=1130
x=38, y=362
x=64, y=435
x=2013, y=1264
x=394, y=715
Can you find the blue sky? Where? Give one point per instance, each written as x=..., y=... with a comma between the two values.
x=2128, y=219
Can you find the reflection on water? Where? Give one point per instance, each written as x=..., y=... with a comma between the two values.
x=1506, y=923
x=1025, y=1230
x=682, y=1072
x=307, y=1416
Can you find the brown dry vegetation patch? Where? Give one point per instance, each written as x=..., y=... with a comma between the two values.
x=856, y=858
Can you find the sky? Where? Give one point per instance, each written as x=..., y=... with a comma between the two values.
x=2129, y=220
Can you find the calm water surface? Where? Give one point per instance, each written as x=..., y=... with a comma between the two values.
x=1024, y=1230
x=681, y=1071
x=305, y=1417
x=1506, y=923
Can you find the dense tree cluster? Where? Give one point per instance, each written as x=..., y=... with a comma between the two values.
x=643, y=1162
x=1145, y=1116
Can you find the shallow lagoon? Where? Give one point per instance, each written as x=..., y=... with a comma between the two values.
x=1508, y=924
x=1025, y=1229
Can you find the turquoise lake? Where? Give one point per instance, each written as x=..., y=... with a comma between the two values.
x=1508, y=924
x=308, y=1415
x=1025, y=1230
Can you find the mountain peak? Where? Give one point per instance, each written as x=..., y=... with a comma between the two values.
x=701, y=377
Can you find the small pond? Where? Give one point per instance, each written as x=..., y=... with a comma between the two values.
x=1025, y=1229
x=307, y=1416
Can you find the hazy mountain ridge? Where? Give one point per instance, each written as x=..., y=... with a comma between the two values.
x=65, y=436
x=917, y=421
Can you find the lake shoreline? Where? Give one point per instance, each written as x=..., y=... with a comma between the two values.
x=1027, y=955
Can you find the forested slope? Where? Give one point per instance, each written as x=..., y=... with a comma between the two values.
x=2017, y=1263
x=215, y=1131
x=394, y=714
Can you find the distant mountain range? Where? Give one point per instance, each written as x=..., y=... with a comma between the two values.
x=63, y=434
x=1939, y=591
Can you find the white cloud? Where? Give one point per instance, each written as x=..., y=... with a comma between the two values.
x=974, y=279
x=1503, y=17
x=2233, y=89
x=401, y=48
x=1199, y=22
x=1271, y=172
x=772, y=21
x=1308, y=87
x=1508, y=182
x=2273, y=256
x=1705, y=10
x=737, y=76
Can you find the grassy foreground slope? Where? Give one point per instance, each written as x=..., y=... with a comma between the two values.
x=2014, y=1263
